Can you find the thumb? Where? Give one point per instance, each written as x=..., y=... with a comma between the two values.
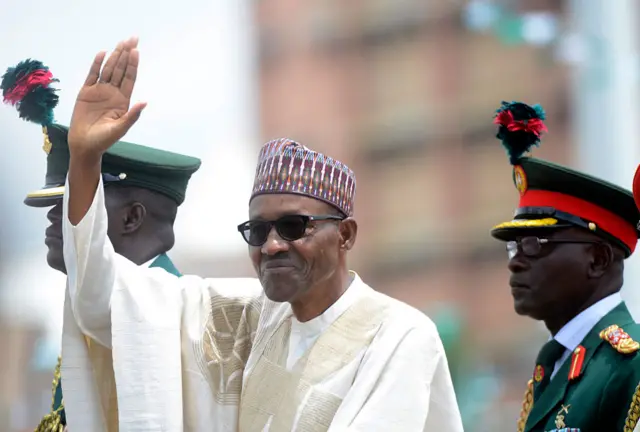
x=126, y=121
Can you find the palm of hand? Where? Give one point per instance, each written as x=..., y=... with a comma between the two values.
x=101, y=115
x=97, y=110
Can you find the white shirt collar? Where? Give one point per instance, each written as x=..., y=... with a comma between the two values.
x=577, y=329
x=320, y=323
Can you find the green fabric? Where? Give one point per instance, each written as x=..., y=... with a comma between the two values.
x=57, y=402
x=549, y=354
x=137, y=165
x=600, y=398
x=162, y=261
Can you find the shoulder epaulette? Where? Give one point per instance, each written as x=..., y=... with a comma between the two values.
x=619, y=340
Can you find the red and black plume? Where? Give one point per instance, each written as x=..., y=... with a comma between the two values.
x=27, y=87
x=520, y=127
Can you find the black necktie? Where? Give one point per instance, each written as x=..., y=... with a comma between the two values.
x=547, y=358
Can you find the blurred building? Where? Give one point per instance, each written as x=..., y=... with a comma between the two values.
x=404, y=91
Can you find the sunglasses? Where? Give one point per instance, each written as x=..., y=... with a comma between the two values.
x=532, y=246
x=289, y=228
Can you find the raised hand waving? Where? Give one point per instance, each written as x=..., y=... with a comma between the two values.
x=101, y=115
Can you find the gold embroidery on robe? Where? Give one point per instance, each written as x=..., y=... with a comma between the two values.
x=293, y=397
x=101, y=360
x=226, y=344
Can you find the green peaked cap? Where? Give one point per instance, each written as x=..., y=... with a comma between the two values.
x=126, y=163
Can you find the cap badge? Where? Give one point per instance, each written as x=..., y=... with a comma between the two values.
x=47, y=142
x=520, y=179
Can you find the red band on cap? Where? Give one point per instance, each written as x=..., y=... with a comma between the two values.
x=604, y=219
x=636, y=187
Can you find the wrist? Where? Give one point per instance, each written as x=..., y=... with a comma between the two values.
x=85, y=160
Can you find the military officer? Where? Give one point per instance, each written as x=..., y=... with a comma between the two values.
x=143, y=188
x=566, y=245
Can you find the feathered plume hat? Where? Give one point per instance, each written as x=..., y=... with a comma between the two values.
x=553, y=196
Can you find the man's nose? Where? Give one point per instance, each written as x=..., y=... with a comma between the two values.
x=274, y=244
x=518, y=262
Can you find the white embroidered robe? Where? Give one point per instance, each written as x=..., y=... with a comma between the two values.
x=194, y=354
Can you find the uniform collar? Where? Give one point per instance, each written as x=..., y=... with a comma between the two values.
x=573, y=332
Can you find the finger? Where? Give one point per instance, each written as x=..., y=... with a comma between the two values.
x=121, y=66
x=133, y=42
x=130, y=118
x=111, y=63
x=94, y=72
x=130, y=73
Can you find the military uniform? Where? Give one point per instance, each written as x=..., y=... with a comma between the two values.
x=597, y=388
x=127, y=164
x=587, y=377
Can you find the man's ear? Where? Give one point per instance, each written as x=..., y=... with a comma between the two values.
x=348, y=232
x=602, y=256
x=133, y=217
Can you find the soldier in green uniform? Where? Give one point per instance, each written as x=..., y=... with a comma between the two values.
x=143, y=188
x=567, y=244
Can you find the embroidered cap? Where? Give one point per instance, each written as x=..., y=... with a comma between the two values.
x=554, y=196
x=285, y=166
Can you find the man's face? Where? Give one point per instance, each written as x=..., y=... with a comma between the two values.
x=288, y=269
x=53, y=234
x=53, y=238
x=553, y=281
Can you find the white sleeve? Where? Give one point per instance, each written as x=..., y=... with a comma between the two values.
x=95, y=272
x=409, y=390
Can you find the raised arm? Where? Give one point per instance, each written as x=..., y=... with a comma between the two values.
x=101, y=117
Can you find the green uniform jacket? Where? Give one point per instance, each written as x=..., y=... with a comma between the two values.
x=163, y=262
x=604, y=393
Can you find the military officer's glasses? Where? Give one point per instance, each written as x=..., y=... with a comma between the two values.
x=531, y=246
x=289, y=228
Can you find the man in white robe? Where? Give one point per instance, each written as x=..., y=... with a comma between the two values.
x=307, y=346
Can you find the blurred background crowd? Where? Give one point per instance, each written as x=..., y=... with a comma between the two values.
x=403, y=91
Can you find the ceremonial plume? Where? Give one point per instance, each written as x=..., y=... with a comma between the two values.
x=27, y=87
x=520, y=127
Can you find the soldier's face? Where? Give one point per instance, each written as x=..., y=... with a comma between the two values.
x=288, y=269
x=554, y=282
x=53, y=238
